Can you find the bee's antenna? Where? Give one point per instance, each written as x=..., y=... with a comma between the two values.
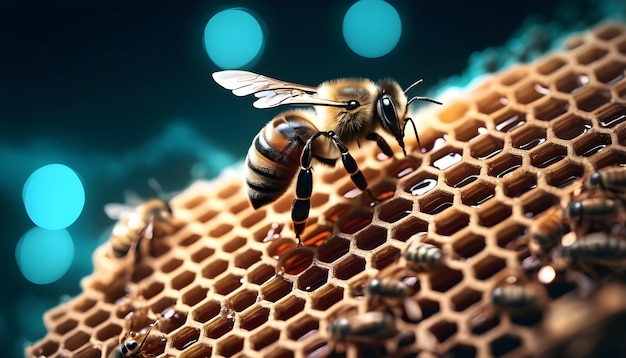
x=413, y=85
x=406, y=121
x=416, y=98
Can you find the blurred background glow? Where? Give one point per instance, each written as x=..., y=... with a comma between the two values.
x=233, y=38
x=372, y=28
x=53, y=196
x=44, y=256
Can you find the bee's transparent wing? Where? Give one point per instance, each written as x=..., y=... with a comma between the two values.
x=269, y=91
x=116, y=211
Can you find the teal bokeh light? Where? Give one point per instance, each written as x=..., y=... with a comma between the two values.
x=44, y=256
x=53, y=196
x=372, y=28
x=233, y=38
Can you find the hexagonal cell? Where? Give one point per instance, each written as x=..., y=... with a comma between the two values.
x=590, y=54
x=444, y=278
x=531, y=91
x=516, y=185
x=571, y=126
x=443, y=330
x=66, y=326
x=264, y=338
x=316, y=235
x=46, y=348
x=326, y=296
x=184, y=337
x=254, y=218
x=403, y=167
x=219, y=326
x=571, y=82
x=276, y=289
x=514, y=75
x=318, y=348
x=454, y=111
x=261, y=273
x=297, y=261
x=281, y=247
x=528, y=137
x=468, y=245
x=395, y=210
x=247, y=258
x=429, y=307
x=371, y=237
x=486, y=147
x=333, y=249
x=242, y=299
x=302, y=328
x=233, y=244
x=462, y=350
x=611, y=72
x=612, y=115
x=477, y=193
x=592, y=98
x=537, y=202
x=228, y=284
x=171, y=265
x=207, y=216
x=229, y=190
x=609, y=157
x=355, y=221
x=591, y=143
x=550, y=64
x=564, y=173
x=254, y=318
x=483, y=321
x=493, y=213
x=197, y=350
x=465, y=298
x=288, y=307
x=76, y=340
x=409, y=227
x=547, y=154
x=202, y=254
x=206, y=311
x=446, y=157
x=83, y=304
x=279, y=352
x=608, y=31
x=385, y=257
x=508, y=236
x=107, y=332
x=182, y=280
x=96, y=318
x=469, y=129
x=229, y=346
x=509, y=120
x=452, y=222
x=171, y=319
x=436, y=202
x=215, y=268
x=488, y=267
x=503, y=165
x=163, y=303
x=189, y=240
x=550, y=109
x=491, y=102
x=461, y=175
x=505, y=344
x=349, y=266
x=236, y=208
x=312, y=279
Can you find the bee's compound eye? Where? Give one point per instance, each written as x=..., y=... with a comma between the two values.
x=350, y=105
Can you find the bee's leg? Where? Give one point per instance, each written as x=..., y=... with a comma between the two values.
x=381, y=142
x=406, y=121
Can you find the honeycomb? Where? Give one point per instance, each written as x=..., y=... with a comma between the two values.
x=230, y=280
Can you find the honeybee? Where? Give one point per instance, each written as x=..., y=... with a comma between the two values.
x=591, y=208
x=613, y=179
x=394, y=290
x=347, y=113
x=423, y=256
x=597, y=246
x=519, y=298
x=137, y=223
x=131, y=347
x=363, y=327
x=546, y=231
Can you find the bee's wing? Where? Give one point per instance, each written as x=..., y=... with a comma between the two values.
x=117, y=211
x=271, y=92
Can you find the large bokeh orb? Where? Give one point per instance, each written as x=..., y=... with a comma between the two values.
x=372, y=28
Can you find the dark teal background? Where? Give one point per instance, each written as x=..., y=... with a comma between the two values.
x=95, y=86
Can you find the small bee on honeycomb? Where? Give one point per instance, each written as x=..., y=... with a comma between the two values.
x=487, y=232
